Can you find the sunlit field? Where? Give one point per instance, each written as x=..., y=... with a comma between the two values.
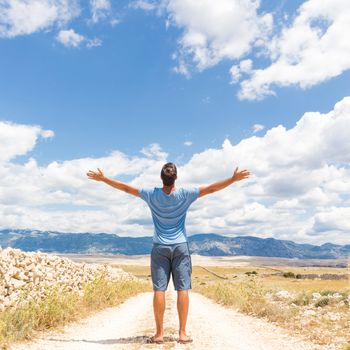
x=57, y=308
x=315, y=308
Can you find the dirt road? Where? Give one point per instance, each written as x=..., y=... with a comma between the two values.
x=129, y=325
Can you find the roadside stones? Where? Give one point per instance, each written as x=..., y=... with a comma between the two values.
x=309, y=312
x=33, y=271
x=284, y=294
x=316, y=296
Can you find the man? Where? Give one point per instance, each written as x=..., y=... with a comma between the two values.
x=170, y=254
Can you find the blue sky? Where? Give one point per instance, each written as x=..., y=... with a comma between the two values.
x=118, y=77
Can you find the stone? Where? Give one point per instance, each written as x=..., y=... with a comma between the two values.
x=34, y=270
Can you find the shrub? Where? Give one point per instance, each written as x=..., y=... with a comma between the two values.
x=251, y=273
x=322, y=302
x=302, y=299
x=288, y=274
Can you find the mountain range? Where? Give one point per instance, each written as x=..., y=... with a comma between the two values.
x=207, y=244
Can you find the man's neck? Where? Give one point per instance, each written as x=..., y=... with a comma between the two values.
x=168, y=189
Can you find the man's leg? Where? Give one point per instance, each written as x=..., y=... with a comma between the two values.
x=159, y=308
x=160, y=271
x=182, y=309
x=182, y=269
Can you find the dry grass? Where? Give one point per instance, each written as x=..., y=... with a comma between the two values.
x=143, y=272
x=246, y=296
x=311, y=285
x=57, y=308
x=249, y=293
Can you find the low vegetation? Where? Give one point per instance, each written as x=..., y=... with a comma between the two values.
x=58, y=308
x=316, y=309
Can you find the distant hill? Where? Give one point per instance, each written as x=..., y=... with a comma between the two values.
x=202, y=244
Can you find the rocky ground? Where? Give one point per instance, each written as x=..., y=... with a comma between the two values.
x=26, y=275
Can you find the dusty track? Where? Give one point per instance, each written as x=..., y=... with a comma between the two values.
x=129, y=325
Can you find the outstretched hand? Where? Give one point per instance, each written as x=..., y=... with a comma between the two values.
x=95, y=175
x=240, y=175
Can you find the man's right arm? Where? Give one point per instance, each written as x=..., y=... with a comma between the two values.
x=122, y=186
x=217, y=186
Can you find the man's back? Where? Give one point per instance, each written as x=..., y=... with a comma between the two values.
x=169, y=212
x=170, y=255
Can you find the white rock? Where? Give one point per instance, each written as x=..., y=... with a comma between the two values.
x=333, y=316
x=336, y=296
x=17, y=283
x=284, y=294
x=309, y=312
x=316, y=296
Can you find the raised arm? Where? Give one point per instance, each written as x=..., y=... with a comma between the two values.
x=217, y=186
x=99, y=176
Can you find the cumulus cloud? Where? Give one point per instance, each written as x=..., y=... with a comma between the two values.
x=314, y=48
x=306, y=48
x=30, y=16
x=19, y=139
x=188, y=143
x=332, y=219
x=100, y=9
x=298, y=189
x=69, y=38
x=213, y=31
x=154, y=150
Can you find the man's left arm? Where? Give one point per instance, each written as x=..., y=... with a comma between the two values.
x=217, y=186
x=122, y=186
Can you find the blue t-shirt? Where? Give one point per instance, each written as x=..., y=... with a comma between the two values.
x=169, y=212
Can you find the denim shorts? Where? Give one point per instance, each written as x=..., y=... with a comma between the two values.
x=174, y=260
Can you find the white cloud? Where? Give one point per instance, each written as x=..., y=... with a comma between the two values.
x=332, y=219
x=235, y=73
x=93, y=43
x=115, y=21
x=19, y=139
x=246, y=66
x=213, y=31
x=100, y=9
x=303, y=49
x=47, y=134
x=154, y=150
x=30, y=16
x=69, y=38
x=188, y=143
x=299, y=188
x=257, y=128
x=143, y=5
x=314, y=48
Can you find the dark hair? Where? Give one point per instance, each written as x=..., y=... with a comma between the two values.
x=168, y=174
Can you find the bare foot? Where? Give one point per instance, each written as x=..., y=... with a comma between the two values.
x=157, y=338
x=184, y=338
